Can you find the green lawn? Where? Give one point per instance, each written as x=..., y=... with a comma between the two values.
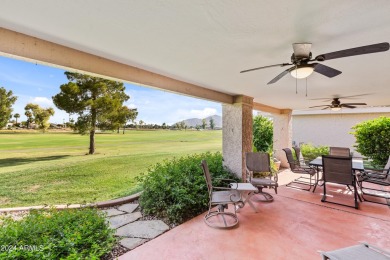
x=53, y=168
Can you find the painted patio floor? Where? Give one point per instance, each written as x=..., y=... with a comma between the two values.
x=295, y=226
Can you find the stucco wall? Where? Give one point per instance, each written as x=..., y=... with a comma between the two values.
x=237, y=123
x=329, y=129
x=282, y=136
x=232, y=137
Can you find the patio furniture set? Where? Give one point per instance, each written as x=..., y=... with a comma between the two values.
x=239, y=194
x=338, y=168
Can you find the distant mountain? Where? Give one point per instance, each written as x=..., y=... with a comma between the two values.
x=192, y=122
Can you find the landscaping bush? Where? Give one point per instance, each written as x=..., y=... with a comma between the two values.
x=176, y=191
x=373, y=139
x=55, y=234
x=310, y=152
x=263, y=134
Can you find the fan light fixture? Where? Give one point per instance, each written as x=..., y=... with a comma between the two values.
x=335, y=108
x=302, y=71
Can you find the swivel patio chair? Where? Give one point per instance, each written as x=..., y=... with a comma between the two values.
x=362, y=251
x=338, y=170
x=339, y=151
x=296, y=167
x=259, y=163
x=379, y=177
x=221, y=197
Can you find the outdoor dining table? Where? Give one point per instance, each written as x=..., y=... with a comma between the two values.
x=357, y=165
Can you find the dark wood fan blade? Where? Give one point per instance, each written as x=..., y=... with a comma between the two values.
x=341, y=97
x=379, y=47
x=264, y=67
x=345, y=105
x=355, y=104
x=321, y=106
x=281, y=75
x=325, y=70
x=326, y=107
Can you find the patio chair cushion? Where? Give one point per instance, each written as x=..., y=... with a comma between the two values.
x=263, y=182
x=228, y=196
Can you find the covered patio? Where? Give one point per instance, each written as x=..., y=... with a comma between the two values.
x=198, y=49
x=295, y=226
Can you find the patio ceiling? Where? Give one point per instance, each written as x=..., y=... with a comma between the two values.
x=207, y=43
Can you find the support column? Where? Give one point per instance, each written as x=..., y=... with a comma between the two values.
x=237, y=134
x=282, y=135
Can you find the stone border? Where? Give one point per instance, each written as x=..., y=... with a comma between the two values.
x=103, y=204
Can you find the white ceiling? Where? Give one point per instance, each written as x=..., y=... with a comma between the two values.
x=208, y=42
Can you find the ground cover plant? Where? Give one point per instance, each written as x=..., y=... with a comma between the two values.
x=53, y=168
x=57, y=234
x=175, y=190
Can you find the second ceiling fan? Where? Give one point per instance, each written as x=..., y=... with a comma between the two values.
x=336, y=105
x=304, y=65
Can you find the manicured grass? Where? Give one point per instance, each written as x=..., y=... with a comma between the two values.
x=53, y=168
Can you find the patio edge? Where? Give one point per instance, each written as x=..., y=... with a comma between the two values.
x=102, y=204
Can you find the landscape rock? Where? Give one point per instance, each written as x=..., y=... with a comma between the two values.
x=121, y=220
x=132, y=243
x=130, y=207
x=143, y=229
x=113, y=212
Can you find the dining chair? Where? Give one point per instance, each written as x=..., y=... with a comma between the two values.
x=379, y=183
x=296, y=167
x=338, y=170
x=339, y=151
x=299, y=156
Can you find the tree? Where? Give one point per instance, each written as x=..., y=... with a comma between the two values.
x=183, y=125
x=16, y=118
x=40, y=115
x=204, y=123
x=164, y=125
x=373, y=139
x=29, y=116
x=121, y=117
x=212, y=125
x=95, y=100
x=263, y=134
x=6, y=101
x=141, y=123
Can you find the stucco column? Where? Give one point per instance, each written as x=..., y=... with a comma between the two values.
x=237, y=121
x=282, y=135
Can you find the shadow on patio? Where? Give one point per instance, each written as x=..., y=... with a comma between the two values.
x=295, y=226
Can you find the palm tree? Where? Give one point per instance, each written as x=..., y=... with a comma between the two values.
x=29, y=118
x=16, y=118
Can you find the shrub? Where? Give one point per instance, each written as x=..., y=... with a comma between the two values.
x=373, y=139
x=54, y=234
x=175, y=190
x=310, y=152
x=263, y=134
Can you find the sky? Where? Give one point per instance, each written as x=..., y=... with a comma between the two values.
x=36, y=83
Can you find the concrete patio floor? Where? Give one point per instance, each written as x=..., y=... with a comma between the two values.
x=295, y=226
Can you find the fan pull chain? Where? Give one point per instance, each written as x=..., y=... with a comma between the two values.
x=306, y=87
x=296, y=79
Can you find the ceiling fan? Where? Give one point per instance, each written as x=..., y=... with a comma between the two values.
x=302, y=56
x=336, y=105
